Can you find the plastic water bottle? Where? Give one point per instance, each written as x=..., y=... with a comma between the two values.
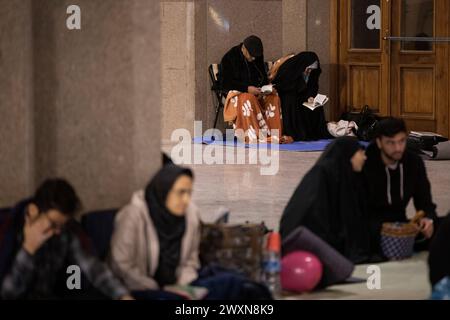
x=271, y=264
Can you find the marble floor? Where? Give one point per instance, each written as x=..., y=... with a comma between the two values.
x=399, y=280
x=253, y=197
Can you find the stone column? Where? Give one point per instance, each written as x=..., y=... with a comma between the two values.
x=95, y=98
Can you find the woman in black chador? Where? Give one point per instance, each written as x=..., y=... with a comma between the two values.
x=297, y=81
x=330, y=201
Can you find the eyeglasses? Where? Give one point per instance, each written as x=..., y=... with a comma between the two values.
x=55, y=225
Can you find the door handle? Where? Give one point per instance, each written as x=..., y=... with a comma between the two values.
x=417, y=39
x=387, y=45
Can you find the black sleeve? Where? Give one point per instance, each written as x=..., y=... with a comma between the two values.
x=439, y=257
x=230, y=80
x=422, y=192
x=261, y=65
x=308, y=206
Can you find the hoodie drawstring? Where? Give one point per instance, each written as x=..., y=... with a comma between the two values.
x=401, y=181
x=388, y=174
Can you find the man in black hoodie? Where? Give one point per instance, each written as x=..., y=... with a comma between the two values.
x=393, y=176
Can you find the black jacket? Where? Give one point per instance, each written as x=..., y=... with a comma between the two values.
x=239, y=74
x=378, y=180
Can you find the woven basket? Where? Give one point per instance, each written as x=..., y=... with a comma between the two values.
x=397, y=240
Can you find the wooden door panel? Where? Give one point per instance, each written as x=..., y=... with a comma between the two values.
x=365, y=85
x=416, y=92
x=421, y=125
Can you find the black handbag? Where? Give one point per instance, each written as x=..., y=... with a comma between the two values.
x=366, y=121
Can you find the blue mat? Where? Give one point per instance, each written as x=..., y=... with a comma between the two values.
x=298, y=146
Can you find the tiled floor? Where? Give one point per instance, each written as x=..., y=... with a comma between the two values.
x=253, y=197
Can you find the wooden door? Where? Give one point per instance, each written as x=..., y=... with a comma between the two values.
x=419, y=69
x=392, y=74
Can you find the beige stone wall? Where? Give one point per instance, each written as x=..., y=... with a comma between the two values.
x=95, y=102
x=177, y=66
x=16, y=94
x=318, y=40
x=227, y=24
x=92, y=105
x=285, y=26
x=295, y=20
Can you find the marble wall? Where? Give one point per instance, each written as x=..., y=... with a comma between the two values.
x=318, y=40
x=229, y=23
x=16, y=95
x=93, y=104
x=177, y=66
x=285, y=26
x=295, y=21
x=95, y=101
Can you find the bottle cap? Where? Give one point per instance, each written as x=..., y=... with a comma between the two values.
x=274, y=242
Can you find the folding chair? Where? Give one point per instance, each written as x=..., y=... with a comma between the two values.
x=216, y=87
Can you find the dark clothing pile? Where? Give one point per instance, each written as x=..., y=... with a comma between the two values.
x=238, y=73
x=300, y=122
x=330, y=201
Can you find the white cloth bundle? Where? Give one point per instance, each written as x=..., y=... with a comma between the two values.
x=342, y=128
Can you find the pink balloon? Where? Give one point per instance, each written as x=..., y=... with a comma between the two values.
x=301, y=271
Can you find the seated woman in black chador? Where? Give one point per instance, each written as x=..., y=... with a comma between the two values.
x=296, y=78
x=330, y=201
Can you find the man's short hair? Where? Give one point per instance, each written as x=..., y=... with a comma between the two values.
x=57, y=194
x=389, y=127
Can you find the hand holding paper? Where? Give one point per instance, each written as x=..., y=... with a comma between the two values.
x=319, y=101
